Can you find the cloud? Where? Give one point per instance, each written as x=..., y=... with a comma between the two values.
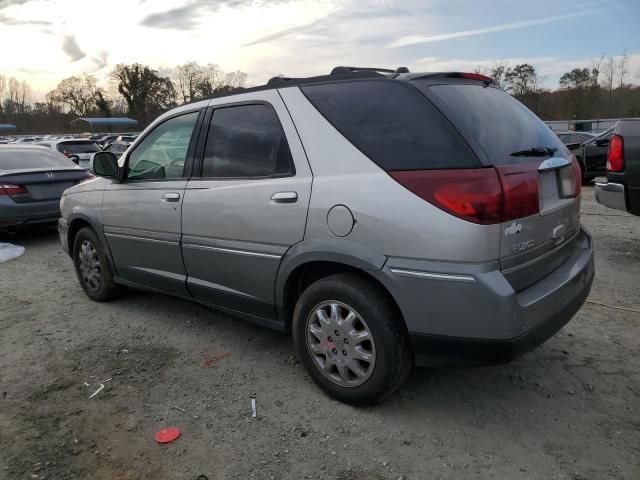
x=418, y=39
x=72, y=49
x=180, y=18
x=100, y=61
x=282, y=33
x=9, y=3
x=4, y=20
x=186, y=17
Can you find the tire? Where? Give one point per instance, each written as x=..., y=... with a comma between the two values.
x=388, y=352
x=92, y=267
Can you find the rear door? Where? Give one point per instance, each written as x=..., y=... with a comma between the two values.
x=537, y=174
x=246, y=204
x=141, y=214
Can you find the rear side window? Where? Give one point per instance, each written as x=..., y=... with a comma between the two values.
x=393, y=124
x=40, y=157
x=246, y=141
x=498, y=122
x=78, y=147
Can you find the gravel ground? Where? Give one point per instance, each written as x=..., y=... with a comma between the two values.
x=567, y=410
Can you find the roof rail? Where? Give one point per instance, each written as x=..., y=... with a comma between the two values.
x=338, y=70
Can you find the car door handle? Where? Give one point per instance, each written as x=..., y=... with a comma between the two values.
x=171, y=197
x=285, y=197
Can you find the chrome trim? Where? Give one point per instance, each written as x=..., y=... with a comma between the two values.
x=231, y=250
x=433, y=276
x=553, y=162
x=611, y=195
x=132, y=237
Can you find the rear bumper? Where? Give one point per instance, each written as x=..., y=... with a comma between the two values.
x=611, y=195
x=474, y=316
x=14, y=215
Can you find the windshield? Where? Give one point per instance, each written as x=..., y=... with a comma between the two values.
x=499, y=123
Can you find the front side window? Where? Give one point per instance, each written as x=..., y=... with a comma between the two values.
x=246, y=141
x=162, y=153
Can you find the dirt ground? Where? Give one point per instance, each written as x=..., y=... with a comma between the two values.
x=570, y=409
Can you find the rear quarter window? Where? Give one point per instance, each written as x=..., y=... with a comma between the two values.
x=393, y=124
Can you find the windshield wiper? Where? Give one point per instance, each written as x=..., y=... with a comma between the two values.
x=535, y=152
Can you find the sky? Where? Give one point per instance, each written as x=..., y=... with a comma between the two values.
x=43, y=41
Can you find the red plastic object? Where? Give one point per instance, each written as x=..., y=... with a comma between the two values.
x=167, y=435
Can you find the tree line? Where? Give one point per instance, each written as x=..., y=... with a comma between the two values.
x=603, y=89
x=135, y=90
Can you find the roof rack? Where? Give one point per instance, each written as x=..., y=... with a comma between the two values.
x=337, y=70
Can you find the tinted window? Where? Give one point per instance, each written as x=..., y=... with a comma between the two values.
x=246, y=141
x=162, y=153
x=78, y=147
x=16, y=159
x=499, y=123
x=393, y=124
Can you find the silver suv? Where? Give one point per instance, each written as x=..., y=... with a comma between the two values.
x=384, y=219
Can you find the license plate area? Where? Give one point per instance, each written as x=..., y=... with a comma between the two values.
x=556, y=187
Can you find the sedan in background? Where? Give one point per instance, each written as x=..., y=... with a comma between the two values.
x=78, y=150
x=32, y=180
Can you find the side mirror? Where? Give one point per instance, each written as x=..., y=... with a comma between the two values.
x=602, y=142
x=104, y=164
x=573, y=146
x=74, y=158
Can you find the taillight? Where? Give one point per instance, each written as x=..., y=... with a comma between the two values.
x=480, y=195
x=476, y=76
x=471, y=194
x=12, y=190
x=615, y=156
x=519, y=189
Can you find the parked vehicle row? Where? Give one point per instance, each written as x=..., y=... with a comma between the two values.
x=354, y=210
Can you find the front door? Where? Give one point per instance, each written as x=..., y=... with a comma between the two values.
x=141, y=214
x=248, y=206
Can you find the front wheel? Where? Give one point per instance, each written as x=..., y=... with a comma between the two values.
x=92, y=267
x=350, y=336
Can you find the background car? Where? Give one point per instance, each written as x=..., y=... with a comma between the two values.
x=76, y=149
x=117, y=148
x=32, y=180
x=622, y=189
x=592, y=155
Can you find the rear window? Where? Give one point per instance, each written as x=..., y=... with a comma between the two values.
x=498, y=122
x=393, y=124
x=79, y=147
x=18, y=159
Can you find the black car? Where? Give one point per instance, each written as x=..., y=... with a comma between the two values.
x=622, y=189
x=592, y=156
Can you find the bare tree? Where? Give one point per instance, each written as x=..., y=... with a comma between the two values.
x=211, y=81
x=608, y=74
x=237, y=79
x=77, y=93
x=623, y=68
x=498, y=72
x=186, y=78
x=17, y=98
x=3, y=88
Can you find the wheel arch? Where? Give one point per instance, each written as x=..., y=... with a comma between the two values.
x=79, y=221
x=312, y=260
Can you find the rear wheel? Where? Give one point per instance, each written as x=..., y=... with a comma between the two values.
x=351, y=339
x=92, y=267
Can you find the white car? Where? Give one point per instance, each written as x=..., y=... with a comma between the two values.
x=78, y=150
